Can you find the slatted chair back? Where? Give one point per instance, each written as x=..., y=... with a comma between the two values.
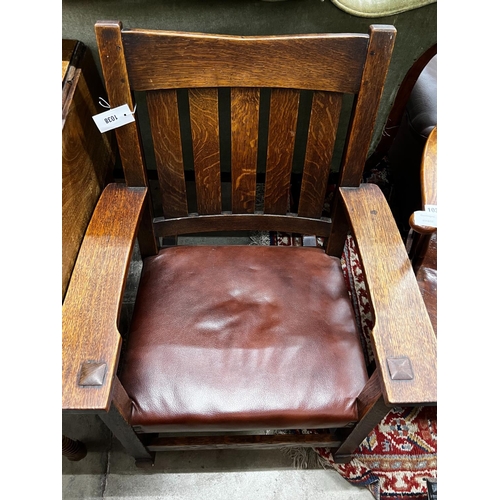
x=192, y=71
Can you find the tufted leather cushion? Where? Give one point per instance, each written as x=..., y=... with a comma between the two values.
x=242, y=338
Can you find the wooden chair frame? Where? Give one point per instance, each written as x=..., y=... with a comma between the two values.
x=403, y=339
x=428, y=186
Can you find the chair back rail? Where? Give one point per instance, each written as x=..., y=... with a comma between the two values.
x=164, y=64
x=158, y=60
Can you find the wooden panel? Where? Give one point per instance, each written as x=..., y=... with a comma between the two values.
x=114, y=69
x=243, y=441
x=382, y=40
x=204, y=114
x=166, y=133
x=174, y=59
x=402, y=325
x=283, y=113
x=116, y=79
x=87, y=155
x=242, y=222
x=428, y=180
x=244, y=139
x=325, y=113
x=68, y=47
x=92, y=304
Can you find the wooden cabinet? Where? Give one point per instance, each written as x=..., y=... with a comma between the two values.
x=88, y=156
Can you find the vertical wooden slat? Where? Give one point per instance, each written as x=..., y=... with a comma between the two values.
x=283, y=114
x=325, y=113
x=114, y=69
x=372, y=84
x=110, y=46
x=166, y=133
x=244, y=140
x=204, y=115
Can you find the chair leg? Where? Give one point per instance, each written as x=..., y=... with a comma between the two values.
x=117, y=421
x=376, y=413
x=371, y=409
x=73, y=450
x=340, y=228
x=418, y=248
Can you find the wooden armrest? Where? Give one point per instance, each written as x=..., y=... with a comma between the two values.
x=90, y=338
x=403, y=340
x=428, y=180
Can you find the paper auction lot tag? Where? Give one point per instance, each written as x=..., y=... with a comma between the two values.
x=114, y=118
x=427, y=217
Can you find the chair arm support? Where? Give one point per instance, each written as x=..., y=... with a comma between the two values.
x=90, y=338
x=403, y=339
x=428, y=180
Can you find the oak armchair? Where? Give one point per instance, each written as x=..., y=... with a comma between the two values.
x=243, y=338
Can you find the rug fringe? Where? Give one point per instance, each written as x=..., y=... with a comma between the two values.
x=260, y=238
x=303, y=458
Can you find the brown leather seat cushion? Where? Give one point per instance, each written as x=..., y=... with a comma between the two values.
x=242, y=338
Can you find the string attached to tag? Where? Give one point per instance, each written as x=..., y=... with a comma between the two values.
x=104, y=103
x=113, y=117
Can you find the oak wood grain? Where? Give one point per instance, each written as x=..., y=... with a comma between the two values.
x=93, y=300
x=369, y=395
x=244, y=139
x=325, y=113
x=402, y=325
x=116, y=79
x=429, y=170
x=324, y=62
x=154, y=61
x=68, y=48
x=204, y=115
x=166, y=134
x=283, y=115
x=428, y=180
x=382, y=38
x=241, y=222
x=87, y=155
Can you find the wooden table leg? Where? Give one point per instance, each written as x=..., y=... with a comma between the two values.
x=73, y=450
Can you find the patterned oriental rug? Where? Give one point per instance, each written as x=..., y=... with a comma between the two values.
x=398, y=460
